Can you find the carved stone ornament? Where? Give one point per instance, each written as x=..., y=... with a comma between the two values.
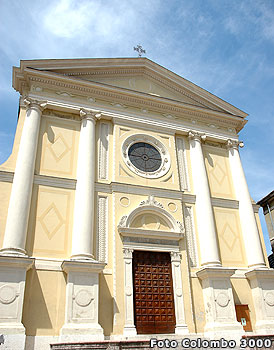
x=151, y=201
x=32, y=103
x=181, y=227
x=234, y=144
x=83, y=298
x=175, y=256
x=127, y=253
x=90, y=114
x=179, y=292
x=7, y=294
x=64, y=93
x=197, y=136
x=122, y=222
x=128, y=291
x=269, y=298
x=222, y=299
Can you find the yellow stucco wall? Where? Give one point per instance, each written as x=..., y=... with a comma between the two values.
x=44, y=302
x=198, y=304
x=5, y=190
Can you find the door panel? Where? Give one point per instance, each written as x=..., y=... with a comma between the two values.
x=242, y=314
x=153, y=293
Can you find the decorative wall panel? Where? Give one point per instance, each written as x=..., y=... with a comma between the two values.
x=53, y=216
x=229, y=235
x=218, y=172
x=59, y=148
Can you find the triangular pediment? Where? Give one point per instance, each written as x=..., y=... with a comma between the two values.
x=130, y=76
x=144, y=84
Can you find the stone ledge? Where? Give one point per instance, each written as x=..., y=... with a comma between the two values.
x=104, y=345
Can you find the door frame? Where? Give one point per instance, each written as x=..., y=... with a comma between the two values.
x=129, y=327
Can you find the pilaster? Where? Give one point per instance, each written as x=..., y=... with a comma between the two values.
x=181, y=327
x=129, y=328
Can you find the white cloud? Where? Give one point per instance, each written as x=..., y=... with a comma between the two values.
x=68, y=20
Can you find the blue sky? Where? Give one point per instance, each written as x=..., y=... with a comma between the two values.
x=224, y=46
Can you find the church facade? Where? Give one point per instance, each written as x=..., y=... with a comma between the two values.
x=125, y=211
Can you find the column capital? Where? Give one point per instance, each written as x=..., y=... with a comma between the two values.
x=33, y=103
x=234, y=144
x=175, y=256
x=89, y=114
x=196, y=136
x=127, y=253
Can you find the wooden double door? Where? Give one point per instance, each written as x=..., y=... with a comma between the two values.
x=153, y=293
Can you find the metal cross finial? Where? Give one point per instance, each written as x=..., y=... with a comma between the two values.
x=140, y=50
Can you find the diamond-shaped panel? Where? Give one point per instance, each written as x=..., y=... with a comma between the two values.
x=59, y=148
x=51, y=220
x=218, y=174
x=229, y=237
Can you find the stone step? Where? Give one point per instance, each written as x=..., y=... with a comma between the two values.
x=252, y=342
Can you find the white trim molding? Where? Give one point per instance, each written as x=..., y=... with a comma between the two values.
x=102, y=229
x=181, y=327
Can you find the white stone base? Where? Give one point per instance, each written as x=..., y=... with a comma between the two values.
x=129, y=331
x=181, y=329
x=40, y=342
x=81, y=332
x=217, y=330
x=12, y=328
x=265, y=327
x=13, y=341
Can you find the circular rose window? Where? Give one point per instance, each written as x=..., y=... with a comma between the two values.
x=145, y=157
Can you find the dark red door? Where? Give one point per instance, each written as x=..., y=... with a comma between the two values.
x=153, y=293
